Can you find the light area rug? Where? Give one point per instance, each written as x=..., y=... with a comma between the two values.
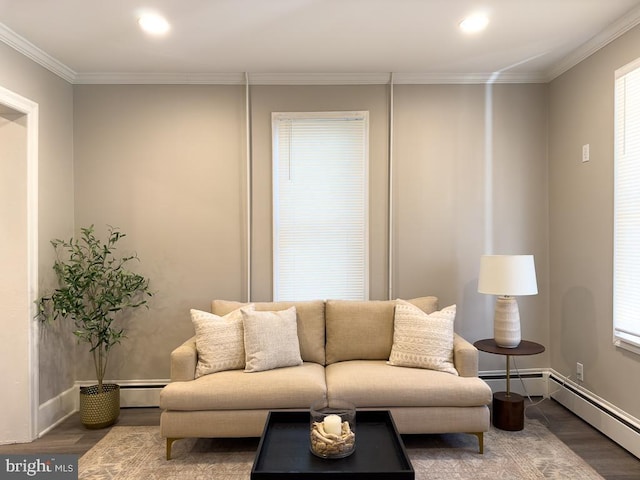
x=128, y=453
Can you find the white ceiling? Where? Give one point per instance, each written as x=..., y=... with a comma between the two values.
x=216, y=41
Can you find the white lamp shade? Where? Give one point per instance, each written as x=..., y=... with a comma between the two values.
x=508, y=275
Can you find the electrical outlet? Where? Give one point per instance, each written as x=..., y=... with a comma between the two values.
x=580, y=372
x=585, y=152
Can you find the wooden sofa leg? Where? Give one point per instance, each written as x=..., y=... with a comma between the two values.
x=169, y=445
x=480, y=436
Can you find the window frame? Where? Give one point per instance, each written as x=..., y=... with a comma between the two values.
x=351, y=114
x=623, y=337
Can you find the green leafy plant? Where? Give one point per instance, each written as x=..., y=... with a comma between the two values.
x=95, y=287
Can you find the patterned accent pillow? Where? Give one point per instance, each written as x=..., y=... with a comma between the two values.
x=423, y=340
x=270, y=339
x=219, y=341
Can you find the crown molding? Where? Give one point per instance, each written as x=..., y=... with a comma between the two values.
x=307, y=78
x=396, y=78
x=34, y=53
x=319, y=78
x=235, y=78
x=608, y=35
x=160, y=78
x=467, y=78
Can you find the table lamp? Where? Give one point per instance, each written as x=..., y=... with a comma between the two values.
x=507, y=276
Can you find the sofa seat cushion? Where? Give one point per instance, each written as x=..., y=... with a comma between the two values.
x=289, y=387
x=374, y=383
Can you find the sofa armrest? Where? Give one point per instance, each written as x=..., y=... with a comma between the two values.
x=183, y=361
x=465, y=357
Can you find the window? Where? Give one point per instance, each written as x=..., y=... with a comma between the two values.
x=626, y=274
x=320, y=205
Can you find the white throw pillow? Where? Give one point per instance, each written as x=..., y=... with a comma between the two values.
x=219, y=341
x=423, y=340
x=270, y=339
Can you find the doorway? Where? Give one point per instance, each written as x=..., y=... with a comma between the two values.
x=19, y=266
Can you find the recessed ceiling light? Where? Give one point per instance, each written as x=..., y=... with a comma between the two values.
x=474, y=23
x=153, y=24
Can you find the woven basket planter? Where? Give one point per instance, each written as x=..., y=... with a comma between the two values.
x=99, y=410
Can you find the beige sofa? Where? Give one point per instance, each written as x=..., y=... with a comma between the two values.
x=344, y=346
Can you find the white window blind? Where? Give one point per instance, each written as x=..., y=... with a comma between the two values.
x=320, y=205
x=626, y=281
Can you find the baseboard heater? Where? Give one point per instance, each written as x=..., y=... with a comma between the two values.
x=512, y=376
x=592, y=402
x=141, y=387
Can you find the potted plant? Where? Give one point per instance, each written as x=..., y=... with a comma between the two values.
x=95, y=289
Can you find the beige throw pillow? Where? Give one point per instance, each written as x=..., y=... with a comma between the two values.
x=423, y=340
x=219, y=341
x=270, y=339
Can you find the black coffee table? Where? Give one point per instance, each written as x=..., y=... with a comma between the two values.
x=283, y=452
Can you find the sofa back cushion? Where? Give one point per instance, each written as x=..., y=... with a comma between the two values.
x=310, y=318
x=363, y=330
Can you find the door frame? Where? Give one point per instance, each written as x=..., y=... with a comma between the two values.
x=30, y=109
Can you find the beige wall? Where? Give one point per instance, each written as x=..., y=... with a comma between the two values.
x=471, y=178
x=581, y=227
x=55, y=197
x=166, y=163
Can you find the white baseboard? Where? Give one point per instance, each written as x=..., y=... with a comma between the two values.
x=141, y=393
x=616, y=424
x=135, y=393
x=55, y=411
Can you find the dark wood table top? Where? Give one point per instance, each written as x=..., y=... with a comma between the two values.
x=489, y=345
x=283, y=452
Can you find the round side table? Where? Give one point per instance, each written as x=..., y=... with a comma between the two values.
x=508, y=407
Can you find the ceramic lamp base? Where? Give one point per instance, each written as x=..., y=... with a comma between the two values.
x=506, y=322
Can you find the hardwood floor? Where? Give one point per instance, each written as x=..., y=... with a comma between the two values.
x=605, y=456
x=610, y=460
x=71, y=437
